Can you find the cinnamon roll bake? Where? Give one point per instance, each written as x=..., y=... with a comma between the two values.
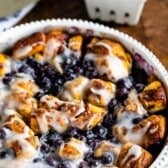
x=69, y=100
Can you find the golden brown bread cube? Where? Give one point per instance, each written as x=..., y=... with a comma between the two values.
x=107, y=147
x=131, y=105
x=147, y=132
x=17, y=125
x=21, y=102
x=74, y=89
x=71, y=108
x=107, y=55
x=42, y=120
x=25, y=148
x=58, y=33
x=48, y=101
x=153, y=97
x=54, y=41
x=21, y=138
x=24, y=86
x=100, y=92
x=156, y=130
x=72, y=150
x=29, y=45
x=93, y=41
x=4, y=64
x=115, y=47
x=134, y=156
x=75, y=43
x=92, y=116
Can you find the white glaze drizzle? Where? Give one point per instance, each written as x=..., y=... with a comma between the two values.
x=135, y=152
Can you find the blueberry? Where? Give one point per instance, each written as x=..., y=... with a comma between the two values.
x=27, y=70
x=71, y=132
x=122, y=94
x=88, y=64
x=107, y=158
x=88, y=157
x=145, y=116
x=91, y=73
x=55, y=88
x=45, y=84
x=51, y=161
x=8, y=78
x=90, y=134
x=45, y=148
x=94, y=163
x=64, y=164
x=57, y=142
x=82, y=165
x=5, y=153
x=112, y=104
x=78, y=70
x=70, y=61
x=52, y=138
x=139, y=87
x=114, y=139
x=89, y=70
x=125, y=82
x=49, y=71
x=33, y=63
x=108, y=121
x=80, y=137
x=137, y=120
x=2, y=134
x=38, y=95
x=36, y=160
x=68, y=74
x=139, y=75
x=92, y=143
x=100, y=132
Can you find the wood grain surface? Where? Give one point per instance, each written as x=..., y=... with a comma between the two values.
x=152, y=29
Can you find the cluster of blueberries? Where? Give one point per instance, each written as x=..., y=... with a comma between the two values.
x=51, y=82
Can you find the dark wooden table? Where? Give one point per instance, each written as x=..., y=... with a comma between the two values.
x=152, y=29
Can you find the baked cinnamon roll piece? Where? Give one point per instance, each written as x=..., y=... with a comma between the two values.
x=54, y=41
x=153, y=97
x=106, y=147
x=107, y=55
x=100, y=92
x=92, y=116
x=21, y=96
x=20, y=137
x=74, y=89
x=134, y=156
x=30, y=45
x=24, y=84
x=22, y=103
x=72, y=150
x=75, y=44
x=49, y=101
x=72, y=109
x=147, y=132
x=156, y=130
x=43, y=120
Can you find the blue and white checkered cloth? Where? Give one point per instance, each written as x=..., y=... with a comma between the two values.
x=9, y=21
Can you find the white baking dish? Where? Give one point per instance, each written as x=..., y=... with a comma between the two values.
x=9, y=37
